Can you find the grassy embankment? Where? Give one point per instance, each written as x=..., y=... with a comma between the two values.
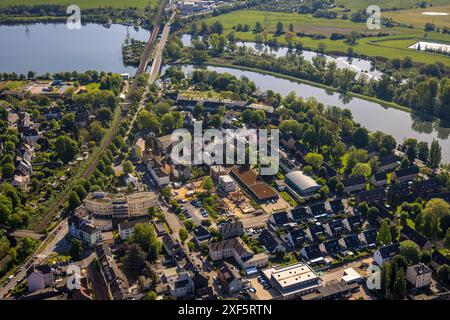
x=393, y=46
x=82, y=3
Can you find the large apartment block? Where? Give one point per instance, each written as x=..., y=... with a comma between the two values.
x=120, y=205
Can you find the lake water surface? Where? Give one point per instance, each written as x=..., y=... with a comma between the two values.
x=54, y=48
x=360, y=66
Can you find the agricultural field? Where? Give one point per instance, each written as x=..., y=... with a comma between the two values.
x=302, y=22
x=387, y=4
x=82, y=3
x=393, y=46
x=416, y=18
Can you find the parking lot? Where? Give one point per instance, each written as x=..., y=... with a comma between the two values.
x=276, y=206
x=263, y=291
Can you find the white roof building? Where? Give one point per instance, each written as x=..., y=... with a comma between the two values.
x=302, y=183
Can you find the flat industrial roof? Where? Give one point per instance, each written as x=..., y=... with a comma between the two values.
x=260, y=189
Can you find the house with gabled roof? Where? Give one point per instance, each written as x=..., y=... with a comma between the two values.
x=335, y=228
x=388, y=163
x=270, y=242
x=297, y=237
x=237, y=249
x=314, y=231
x=379, y=179
x=428, y=186
x=229, y=277
x=319, y=210
x=300, y=214
x=419, y=276
x=312, y=253
x=337, y=206
x=201, y=235
x=172, y=247
x=279, y=220
x=354, y=184
x=371, y=196
x=386, y=253
x=231, y=229
x=39, y=277
x=353, y=223
x=350, y=242
x=330, y=247
x=405, y=174
x=438, y=259
x=368, y=238
x=414, y=236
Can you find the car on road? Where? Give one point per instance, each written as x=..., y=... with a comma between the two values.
x=252, y=290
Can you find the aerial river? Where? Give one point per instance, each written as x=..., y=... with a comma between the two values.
x=373, y=116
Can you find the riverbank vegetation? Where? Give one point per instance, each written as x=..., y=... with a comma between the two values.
x=426, y=89
x=56, y=13
x=333, y=35
x=132, y=51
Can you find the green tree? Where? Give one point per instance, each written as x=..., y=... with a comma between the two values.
x=8, y=171
x=279, y=28
x=258, y=27
x=340, y=188
x=321, y=47
x=148, y=120
x=4, y=246
x=128, y=167
x=208, y=184
x=135, y=259
x=423, y=151
x=74, y=201
x=410, y=251
x=362, y=169
x=361, y=138
x=151, y=295
x=314, y=159
x=436, y=211
x=363, y=208
x=372, y=215
x=68, y=123
x=435, y=154
x=399, y=288
x=447, y=239
x=76, y=249
x=144, y=235
x=393, y=230
x=443, y=273
x=183, y=233
x=65, y=148
x=384, y=235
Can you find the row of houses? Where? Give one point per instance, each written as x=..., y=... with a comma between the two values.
x=303, y=214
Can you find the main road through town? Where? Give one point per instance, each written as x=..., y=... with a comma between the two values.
x=49, y=242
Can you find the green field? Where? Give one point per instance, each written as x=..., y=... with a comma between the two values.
x=82, y=3
x=393, y=46
x=416, y=18
x=302, y=22
x=386, y=4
